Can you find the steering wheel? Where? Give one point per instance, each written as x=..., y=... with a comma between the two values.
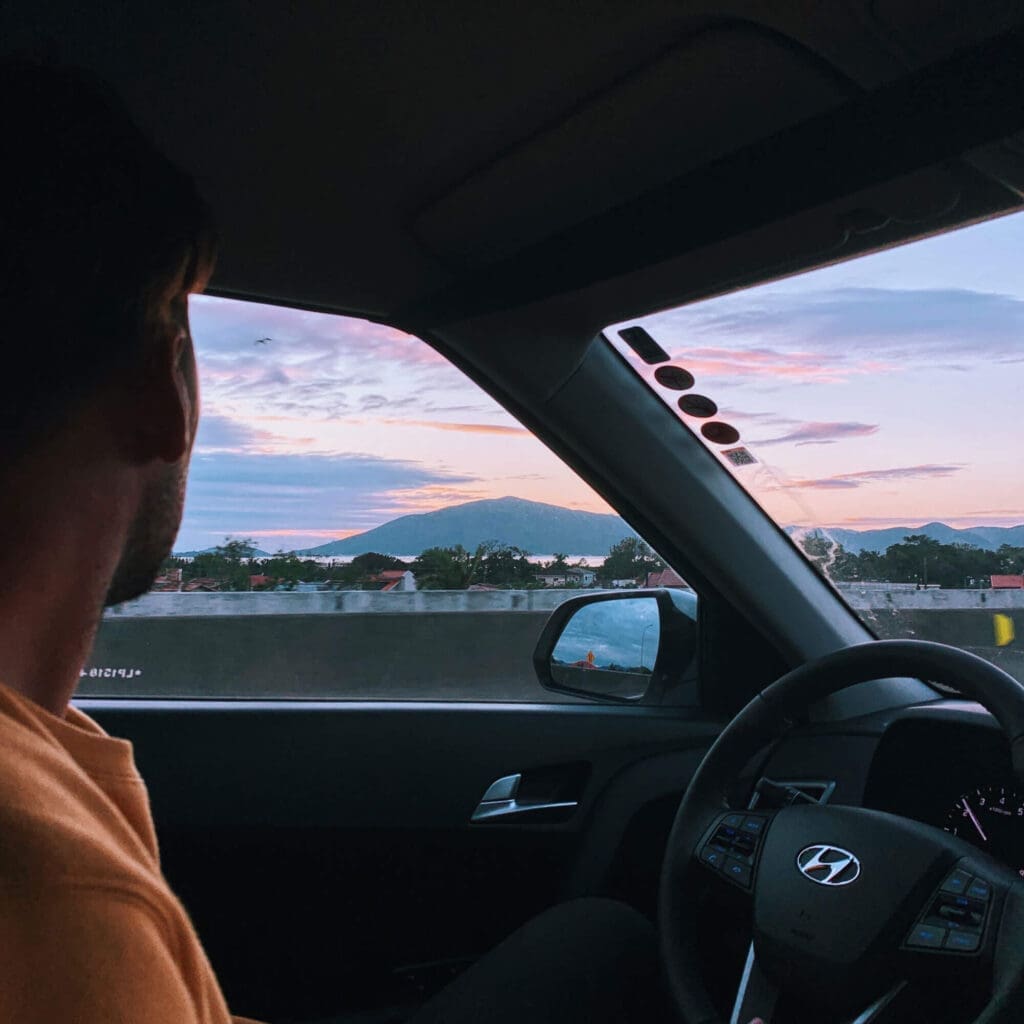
x=849, y=904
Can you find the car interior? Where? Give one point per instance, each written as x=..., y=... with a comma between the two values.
x=504, y=181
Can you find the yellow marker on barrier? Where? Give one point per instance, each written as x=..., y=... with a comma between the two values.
x=1004, y=629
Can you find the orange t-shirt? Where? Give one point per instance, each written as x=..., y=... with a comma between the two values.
x=89, y=929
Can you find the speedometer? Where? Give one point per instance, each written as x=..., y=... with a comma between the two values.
x=992, y=818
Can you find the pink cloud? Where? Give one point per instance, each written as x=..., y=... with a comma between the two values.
x=848, y=481
x=821, y=433
x=236, y=326
x=763, y=363
x=304, y=532
x=385, y=343
x=429, y=497
x=461, y=428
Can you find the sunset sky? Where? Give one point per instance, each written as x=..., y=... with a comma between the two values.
x=886, y=391
x=881, y=392
x=315, y=427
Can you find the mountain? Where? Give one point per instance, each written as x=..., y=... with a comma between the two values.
x=530, y=525
x=252, y=553
x=999, y=535
x=987, y=537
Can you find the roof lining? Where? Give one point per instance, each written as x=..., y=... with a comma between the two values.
x=416, y=223
x=956, y=105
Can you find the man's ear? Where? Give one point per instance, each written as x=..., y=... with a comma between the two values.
x=166, y=411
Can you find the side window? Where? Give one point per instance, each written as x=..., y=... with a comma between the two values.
x=362, y=522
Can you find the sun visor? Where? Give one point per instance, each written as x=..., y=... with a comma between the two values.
x=928, y=31
x=719, y=90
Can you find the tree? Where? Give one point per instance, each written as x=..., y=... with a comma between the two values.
x=228, y=563
x=505, y=566
x=372, y=562
x=557, y=564
x=448, y=568
x=285, y=569
x=1010, y=559
x=630, y=559
x=830, y=558
x=917, y=559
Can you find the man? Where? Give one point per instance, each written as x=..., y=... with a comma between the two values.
x=101, y=242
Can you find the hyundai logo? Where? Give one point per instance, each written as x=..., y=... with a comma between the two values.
x=828, y=865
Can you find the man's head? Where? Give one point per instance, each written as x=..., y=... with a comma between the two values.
x=101, y=241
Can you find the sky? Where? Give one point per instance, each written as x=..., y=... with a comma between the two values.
x=881, y=392
x=316, y=427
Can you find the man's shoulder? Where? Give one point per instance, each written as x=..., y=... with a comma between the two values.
x=56, y=822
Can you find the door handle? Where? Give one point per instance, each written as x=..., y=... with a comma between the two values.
x=501, y=802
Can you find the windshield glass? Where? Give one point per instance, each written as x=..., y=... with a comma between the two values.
x=873, y=409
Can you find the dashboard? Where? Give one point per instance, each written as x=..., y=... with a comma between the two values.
x=945, y=763
x=953, y=775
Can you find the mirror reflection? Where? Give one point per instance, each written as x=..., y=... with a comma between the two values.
x=609, y=647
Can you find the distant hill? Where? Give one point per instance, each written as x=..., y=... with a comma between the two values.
x=988, y=538
x=544, y=529
x=530, y=525
x=251, y=553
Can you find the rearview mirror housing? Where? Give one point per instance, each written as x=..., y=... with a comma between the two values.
x=624, y=647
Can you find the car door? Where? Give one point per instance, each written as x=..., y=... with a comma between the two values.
x=316, y=748
x=326, y=851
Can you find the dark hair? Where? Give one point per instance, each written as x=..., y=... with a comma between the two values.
x=94, y=223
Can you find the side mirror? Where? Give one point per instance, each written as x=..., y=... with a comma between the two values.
x=628, y=647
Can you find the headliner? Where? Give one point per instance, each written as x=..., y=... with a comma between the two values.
x=422, y=163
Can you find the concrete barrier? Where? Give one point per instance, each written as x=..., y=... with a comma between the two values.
x=377, y=656
x=933, y=600
x=338, y=602
x=424, y=645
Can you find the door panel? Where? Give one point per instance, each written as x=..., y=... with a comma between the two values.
x=324, y=848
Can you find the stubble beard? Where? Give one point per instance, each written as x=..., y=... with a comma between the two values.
x=151, y=537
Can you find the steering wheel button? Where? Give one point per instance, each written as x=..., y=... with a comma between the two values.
x=713, y=857
x=733, y=820
x=954, y=914
x=738, y=871
x=927, y=936
x=957, y=883
x=979, y=890
x=963, y=941
x=754, y=826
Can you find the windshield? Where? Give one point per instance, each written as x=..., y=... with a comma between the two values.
x=873, y=409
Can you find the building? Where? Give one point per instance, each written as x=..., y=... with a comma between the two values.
x=666, y=578
x=581, y=577
x=551, y=579
x=1007, y=582
x=392, y=581
x=168, y=582
x=572, y=577
x=201, y=583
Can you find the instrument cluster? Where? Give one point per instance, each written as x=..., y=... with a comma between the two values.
x=991, y=816
x=954, y=776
